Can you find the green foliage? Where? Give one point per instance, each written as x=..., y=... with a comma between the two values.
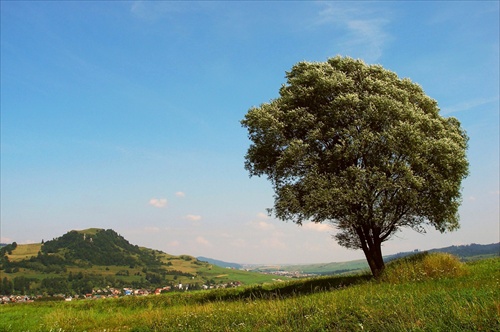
x=104, y=247
x=6, y=286
x=354, y=145
x=57, y=285
x=7, y=249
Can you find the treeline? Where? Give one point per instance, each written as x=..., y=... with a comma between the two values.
x=471, y=250
x=42, y=262
x=81, y=283
x=72, y=284
x=464, y=252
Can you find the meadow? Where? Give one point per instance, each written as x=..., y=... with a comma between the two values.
x=427, y=292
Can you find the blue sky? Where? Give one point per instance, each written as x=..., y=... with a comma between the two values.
x=125, y=115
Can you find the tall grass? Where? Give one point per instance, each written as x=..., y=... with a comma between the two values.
x=423, y=266
x=467, y=301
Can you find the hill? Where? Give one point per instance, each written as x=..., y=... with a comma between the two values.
x=220, y=263
x=79, y=262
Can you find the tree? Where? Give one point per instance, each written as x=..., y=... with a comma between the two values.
x=356, y=146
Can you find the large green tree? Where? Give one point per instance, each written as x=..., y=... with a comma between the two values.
x=356, y=146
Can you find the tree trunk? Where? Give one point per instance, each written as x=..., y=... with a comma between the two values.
x=372, y=247
x=374, y=257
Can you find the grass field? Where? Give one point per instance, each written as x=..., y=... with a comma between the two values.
x=433, y=294
x=329, y=268
x=24, y=251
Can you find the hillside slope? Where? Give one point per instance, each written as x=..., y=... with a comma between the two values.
x=80, y=261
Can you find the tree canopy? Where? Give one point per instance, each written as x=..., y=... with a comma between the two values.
x=356, y=146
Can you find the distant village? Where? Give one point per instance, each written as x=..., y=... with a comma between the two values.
x=110, y=292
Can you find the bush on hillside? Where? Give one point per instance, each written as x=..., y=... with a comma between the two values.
x=423, y=266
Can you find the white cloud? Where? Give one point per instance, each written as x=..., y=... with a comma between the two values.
x=174, y=244
x=366, y=35
x=180, y=194
x=192, y=217
x=203, y=241
x=317, y=227
x=468, y=105
x=152, y=229
x=262, y=225
x=158, y=202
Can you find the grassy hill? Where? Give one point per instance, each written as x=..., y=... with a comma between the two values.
x=437, y=293
x=79, y=261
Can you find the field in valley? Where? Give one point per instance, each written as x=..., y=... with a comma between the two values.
x=429, y=293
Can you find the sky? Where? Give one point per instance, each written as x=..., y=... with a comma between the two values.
x=126, y=116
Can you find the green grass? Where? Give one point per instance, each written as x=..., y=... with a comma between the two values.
x=329, y=268
x=465, y=301
x=24, y=251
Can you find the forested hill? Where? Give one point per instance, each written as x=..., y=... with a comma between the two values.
x=99, y=247
x=79, y=262
x=471, y=250
x=83, y=249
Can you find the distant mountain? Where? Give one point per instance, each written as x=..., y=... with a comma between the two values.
x=219, y=263
x=464, y=252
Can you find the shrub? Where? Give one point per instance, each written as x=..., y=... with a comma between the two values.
x=423, y=266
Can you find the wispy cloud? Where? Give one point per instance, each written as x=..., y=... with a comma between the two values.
x=203, y=241
x=174, y=243
x=317, y=227
x=180, y=194
x=366, y=34
x=192, y=217
x=158, y=202
x=264, y=226
x=468, y=105
x=261, y=223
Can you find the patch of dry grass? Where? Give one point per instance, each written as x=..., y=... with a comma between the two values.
x=24, y=251
x=423, y=266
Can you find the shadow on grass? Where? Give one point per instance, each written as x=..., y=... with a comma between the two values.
x=285, y=289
